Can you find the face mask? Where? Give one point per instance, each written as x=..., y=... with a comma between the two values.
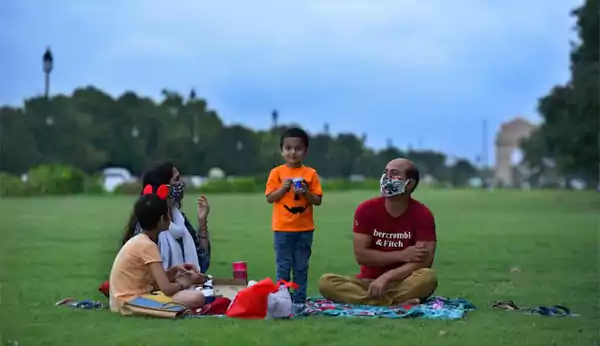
x=392, y=186
x=176, y=192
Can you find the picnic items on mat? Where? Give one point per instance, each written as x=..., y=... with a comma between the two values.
x=439, y=308
x=253, y=301
x=555, y=310
x=207, y=290
x=149, y=307
x=217, y=307
x=280, y=303
x=240, y=270
x=104, y=288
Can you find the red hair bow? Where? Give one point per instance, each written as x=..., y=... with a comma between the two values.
x=162, y=192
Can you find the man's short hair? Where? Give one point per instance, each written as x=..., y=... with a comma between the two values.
x=295, y=132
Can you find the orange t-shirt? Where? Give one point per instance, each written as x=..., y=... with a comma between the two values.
x=130, y=275
x=293, y=213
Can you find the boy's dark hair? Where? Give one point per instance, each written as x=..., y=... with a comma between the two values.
x=295, y=132
x=413, y=173
x=149, y=209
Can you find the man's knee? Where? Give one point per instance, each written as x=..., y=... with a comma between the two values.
x=427, y=278
x=327, y=283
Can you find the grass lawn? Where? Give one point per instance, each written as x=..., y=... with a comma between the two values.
x=537, y=248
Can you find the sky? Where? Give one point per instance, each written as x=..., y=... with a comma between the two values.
x=424, y=74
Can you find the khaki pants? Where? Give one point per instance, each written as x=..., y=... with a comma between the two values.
x=350, y=290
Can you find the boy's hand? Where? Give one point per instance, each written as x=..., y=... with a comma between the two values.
x=287, y=183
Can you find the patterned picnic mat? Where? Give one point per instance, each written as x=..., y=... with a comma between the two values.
x=433, y=308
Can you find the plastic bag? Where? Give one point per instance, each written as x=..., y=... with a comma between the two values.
x=280, y=303
x=252, y=302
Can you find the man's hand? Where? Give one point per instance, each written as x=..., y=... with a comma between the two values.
x=377, y=287
x=415, y=253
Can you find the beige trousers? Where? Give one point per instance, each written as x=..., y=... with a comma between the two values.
x=350, y=290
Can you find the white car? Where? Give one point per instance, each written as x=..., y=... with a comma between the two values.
x=115, y=176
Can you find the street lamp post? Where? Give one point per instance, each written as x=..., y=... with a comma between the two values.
x=274, y=117
x=195, y=138
x=48, y=64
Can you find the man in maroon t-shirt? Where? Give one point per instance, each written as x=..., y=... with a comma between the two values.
x=394, y=244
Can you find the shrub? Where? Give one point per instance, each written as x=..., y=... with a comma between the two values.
x=56, y=180
x=11, y=185
x=345, y=184
x=232, y=185
x=129, y=188
x=253, y=185
x=93, y=184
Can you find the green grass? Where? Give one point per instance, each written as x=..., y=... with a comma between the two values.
x=534, y=247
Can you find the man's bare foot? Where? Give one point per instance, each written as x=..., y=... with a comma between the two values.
x=414, y=301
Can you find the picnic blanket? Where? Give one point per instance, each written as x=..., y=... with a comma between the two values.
x=436, y=308
x=439, y=308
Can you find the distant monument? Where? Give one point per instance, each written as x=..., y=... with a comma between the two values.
x=507, y=145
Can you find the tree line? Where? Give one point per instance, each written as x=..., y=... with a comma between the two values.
x=92, y=130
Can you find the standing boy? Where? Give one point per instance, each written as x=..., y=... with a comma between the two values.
x=293, y=189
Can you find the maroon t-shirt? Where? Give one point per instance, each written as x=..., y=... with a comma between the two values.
x=392, y=234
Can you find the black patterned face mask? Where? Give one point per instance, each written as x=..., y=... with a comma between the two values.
x=176, y=192
x=392, y=186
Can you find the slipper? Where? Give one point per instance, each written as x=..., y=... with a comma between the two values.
x=506, y=305
x=556, y=310
x=87, y=304
x=540, y=310
x=84, y=304
x=64, y=301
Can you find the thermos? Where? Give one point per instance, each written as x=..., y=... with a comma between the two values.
x=240, y=270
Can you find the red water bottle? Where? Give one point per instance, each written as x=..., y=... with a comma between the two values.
x=240, y=270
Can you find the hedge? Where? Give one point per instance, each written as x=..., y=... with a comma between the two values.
x=51, y=180
x=67, y=180
x=253, y=185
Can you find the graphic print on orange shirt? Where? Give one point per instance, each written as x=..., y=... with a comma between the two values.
x=292, y=212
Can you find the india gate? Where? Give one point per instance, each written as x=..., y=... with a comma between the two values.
x=507, y=142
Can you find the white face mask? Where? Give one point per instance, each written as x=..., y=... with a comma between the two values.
x=392, y=186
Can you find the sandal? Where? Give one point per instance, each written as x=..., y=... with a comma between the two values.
x=87, y=304
x=64, y=301
x=506, y=305
x=556, y=310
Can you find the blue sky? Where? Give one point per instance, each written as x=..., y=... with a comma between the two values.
x=423, y=73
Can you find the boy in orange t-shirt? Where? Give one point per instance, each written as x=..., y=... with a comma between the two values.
x=293, y=189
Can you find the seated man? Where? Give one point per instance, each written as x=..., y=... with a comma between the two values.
x=394, y=244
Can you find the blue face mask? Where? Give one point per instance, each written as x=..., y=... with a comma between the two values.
x=176, y=192
x=392, y=186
